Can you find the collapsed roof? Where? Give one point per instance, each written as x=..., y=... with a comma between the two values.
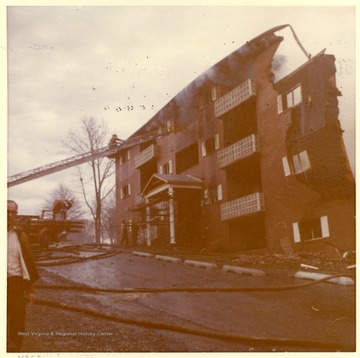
x=225, y=73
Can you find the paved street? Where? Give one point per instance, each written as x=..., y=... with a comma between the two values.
x=324, y=312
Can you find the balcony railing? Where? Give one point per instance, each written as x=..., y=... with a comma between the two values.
x=237, y=151
x=235, y=97
x=145, y=155
x=245, y=205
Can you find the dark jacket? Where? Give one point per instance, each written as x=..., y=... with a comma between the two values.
x=29, y=262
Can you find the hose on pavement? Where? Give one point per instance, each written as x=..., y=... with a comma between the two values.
x=201, y=332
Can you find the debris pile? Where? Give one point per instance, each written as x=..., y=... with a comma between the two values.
x=296, y=261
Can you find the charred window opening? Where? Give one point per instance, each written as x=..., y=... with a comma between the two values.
x=311, y=229
x=187, y=157
x=170, y=125
x=210, y=145
x=213, y=195
x=124, y=157
x=290, y=99
x=240, y=123
x=208, y=97
x=125, y=191
x=243, y=178
x=166, y=168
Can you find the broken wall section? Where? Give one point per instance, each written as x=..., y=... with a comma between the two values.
x=308, y=186
x=310, y=97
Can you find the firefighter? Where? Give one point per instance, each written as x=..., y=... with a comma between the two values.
x=21, y=275
x=61, y=207
x=114, y=140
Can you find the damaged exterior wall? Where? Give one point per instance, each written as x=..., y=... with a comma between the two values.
x=310, y=188
x=240, y=162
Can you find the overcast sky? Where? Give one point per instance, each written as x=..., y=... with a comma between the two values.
x=67, y=63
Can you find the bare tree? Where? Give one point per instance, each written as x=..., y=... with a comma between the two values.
x=61, y=192
x=94, y=184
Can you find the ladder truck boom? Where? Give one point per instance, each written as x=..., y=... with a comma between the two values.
x=51, y=168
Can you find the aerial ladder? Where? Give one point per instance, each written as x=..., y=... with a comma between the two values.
x=51, y=168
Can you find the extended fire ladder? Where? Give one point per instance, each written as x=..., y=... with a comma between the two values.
x=76, y=160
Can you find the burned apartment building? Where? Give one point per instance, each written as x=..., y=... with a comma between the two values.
x=238, y=161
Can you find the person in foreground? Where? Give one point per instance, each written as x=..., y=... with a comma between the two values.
x=21, y=275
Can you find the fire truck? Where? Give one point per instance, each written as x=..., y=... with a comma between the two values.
x=43, y=230
x=46, y=229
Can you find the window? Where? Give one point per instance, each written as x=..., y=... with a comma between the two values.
x=289, y=100
x=213, y=93
x=210, y=145
x=296, y=163
x=125, y=191
x=296, y=96
x=166, y=168
x=219, y=192
x=208, y=97
x=311, y=229
x=170, y=125
x=280, y=103
x=304, y=161
x=187, y=157
x=213, y=194
x=286, y=166
x=300, y=163
x=124, y=156
x=206, y=197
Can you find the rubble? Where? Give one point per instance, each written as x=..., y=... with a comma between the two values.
x=263, y=260
x=307, y=260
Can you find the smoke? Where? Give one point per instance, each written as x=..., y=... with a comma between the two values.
x=278, y=62
x=279, y=66
x=228, y=73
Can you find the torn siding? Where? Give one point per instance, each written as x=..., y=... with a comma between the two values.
x=314, y=127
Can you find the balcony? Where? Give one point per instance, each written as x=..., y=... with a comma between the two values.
x=237, y=151
x=235, y=97
x=145, y=155
x=245, y=205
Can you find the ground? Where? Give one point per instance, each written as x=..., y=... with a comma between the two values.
x=52, y=329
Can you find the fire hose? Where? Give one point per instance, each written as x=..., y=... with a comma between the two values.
x=45, y=258
x=191, y=289
x=201, y=332
x=194, y=331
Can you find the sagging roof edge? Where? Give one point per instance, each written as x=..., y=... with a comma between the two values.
x=142, y=129
x=243, y=48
